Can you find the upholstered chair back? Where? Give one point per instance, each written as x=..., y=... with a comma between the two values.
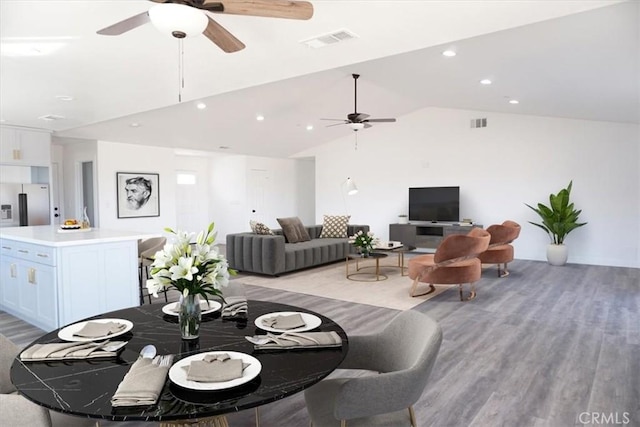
x=462, y=245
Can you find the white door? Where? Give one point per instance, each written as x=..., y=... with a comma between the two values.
x=258, y=196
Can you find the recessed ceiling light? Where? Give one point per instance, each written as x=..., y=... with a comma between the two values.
x=449, y=53
x=30, y=48
x=514, y=101
x=259, y=117
x=224, y=147
x=201, y=105
x=135, y=125
x=51, y=117
x=64, y=98
x=485, y=82
x=309, y=127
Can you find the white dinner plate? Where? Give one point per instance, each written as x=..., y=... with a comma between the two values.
x=67, y=332
x=178, y=375
x=311, y=320
x=213, y=306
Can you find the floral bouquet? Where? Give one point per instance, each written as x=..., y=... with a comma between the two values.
x=197, y=269
x=364, y=241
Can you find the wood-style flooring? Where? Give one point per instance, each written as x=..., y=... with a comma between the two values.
x=544, y=347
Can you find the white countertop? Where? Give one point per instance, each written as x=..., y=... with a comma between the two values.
x=49, y=235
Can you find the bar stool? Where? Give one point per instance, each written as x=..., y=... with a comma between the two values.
x=147, y=248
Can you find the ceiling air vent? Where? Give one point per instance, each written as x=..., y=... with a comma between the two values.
x=479, y=123
x=51, y=117
x=330, y=38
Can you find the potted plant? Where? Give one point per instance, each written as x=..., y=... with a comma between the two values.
x=558, y=220
x=403, y=219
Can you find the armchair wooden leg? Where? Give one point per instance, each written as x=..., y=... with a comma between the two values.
x=412, y=417
x=472, y=292
x=412, y=292
x=505, y=272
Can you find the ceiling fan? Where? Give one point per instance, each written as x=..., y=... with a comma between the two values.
x=197, y=20
x=355, y=120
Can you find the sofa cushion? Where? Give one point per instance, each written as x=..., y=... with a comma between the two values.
x=335, y=226
x=293, y=230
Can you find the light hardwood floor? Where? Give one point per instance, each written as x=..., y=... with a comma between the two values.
x=537, y=348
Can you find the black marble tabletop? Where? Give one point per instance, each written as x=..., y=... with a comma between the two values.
x=85, y=387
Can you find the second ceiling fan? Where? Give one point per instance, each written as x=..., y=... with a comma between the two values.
x=355, y=120
x=198, y=11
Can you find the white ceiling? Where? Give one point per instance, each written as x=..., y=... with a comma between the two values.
x=574, y=59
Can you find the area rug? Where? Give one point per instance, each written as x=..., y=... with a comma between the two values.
x=330, y=282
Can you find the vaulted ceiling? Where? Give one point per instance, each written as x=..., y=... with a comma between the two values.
x=572, y=59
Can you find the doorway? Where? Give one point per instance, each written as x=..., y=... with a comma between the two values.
x=87, y=199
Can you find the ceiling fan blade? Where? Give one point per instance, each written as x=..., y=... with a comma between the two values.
x=265, y=8
x=336, y=120
x=337, y=124
x=126, y=25
x=380, y=120
x=367, y=125
x=221, y=37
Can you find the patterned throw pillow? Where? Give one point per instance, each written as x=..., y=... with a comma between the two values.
x=260, y=228
x=293, y=230
x=335, y=226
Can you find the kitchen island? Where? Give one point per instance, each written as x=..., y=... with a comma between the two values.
x=51, y=277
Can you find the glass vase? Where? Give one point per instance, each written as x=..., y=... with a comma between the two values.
x=189, y=316
x=365, y=251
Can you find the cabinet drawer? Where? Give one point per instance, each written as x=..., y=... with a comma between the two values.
x=27, y=251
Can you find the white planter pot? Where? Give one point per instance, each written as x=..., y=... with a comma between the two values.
x=557, y=254
x=403, y=220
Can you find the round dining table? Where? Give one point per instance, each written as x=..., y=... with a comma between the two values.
x=85, y=387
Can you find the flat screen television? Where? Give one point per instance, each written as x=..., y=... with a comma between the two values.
x=434, y=204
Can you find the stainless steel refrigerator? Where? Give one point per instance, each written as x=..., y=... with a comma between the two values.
x=24, y=204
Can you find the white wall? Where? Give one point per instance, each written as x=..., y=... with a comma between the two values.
x=289, y=191
x=517, y=159
x=117, y=157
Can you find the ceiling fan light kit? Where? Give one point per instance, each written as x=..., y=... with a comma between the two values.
x=185, y=18
x=178, y=20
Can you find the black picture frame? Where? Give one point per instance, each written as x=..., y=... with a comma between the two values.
x=138, y=194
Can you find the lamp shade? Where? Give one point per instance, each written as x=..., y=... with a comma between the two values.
x=351, y=187
x=171, y=18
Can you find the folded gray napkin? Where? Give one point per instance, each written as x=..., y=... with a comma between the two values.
x=99, y=329
x=234, y=306
x=204, y=305
x=290, y=321
x=143, y=383
x=215, y=368
x=295, y=340
x=71, y=351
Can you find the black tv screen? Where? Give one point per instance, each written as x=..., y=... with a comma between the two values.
x=434, y=204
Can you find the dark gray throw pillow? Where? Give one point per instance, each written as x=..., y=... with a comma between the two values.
x=293, y=230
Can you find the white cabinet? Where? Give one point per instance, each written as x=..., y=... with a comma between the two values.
x=25, y=147
x=51, y=286
x=28, y=283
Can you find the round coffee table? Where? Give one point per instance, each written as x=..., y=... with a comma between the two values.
x=366, y=276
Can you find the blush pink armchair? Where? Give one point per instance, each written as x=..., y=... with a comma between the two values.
x=455, y=262
x=500, y=250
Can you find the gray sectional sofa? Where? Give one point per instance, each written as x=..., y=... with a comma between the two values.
x=271, y=255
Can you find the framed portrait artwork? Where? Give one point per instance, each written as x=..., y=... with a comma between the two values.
x=138, y=194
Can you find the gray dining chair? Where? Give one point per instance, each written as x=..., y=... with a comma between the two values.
x=147, y=248
x=18, y=411
x=401, y=357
